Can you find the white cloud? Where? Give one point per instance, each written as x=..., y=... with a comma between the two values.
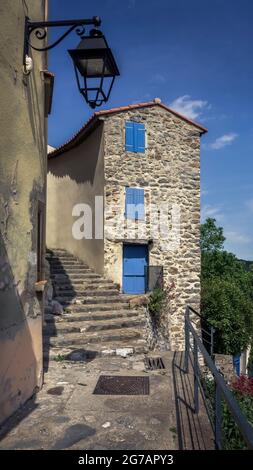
x=235, y=237
x=188, y=107
x=211, y=211
x=223, y=141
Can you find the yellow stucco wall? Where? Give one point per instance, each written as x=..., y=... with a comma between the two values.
x=22, y=185
x=76, y=177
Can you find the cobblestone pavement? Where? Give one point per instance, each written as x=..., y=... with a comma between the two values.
x=66, y=414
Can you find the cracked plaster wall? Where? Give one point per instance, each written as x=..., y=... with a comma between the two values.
x=22, y=185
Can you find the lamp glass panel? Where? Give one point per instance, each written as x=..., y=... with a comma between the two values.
x=92, y=67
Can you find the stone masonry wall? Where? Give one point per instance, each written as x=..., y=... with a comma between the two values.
x=169, y=171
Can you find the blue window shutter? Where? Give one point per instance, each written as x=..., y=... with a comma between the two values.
x=129, y=203
x=135, y=137
x=129, y=131
x=139, y=201
x=134, y=203
x=139, y=137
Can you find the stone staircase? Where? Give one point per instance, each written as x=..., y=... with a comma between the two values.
x=97, y=318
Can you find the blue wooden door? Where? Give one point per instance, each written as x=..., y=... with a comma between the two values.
x=135, y=258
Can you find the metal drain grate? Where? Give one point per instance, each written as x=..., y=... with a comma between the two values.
x=154, y=363
x=122, y=385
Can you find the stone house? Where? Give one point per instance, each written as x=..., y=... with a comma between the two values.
x=124, y=197
x=25, y=104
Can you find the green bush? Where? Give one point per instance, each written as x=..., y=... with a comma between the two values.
x=226, y=292
x=230, y=310
x=232, y=438
x=156, y=301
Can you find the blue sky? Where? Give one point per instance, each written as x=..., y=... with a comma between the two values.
x=197, y=57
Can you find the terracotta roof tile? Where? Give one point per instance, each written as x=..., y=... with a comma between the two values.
x=156, y=102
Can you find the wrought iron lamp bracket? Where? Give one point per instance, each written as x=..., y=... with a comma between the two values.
x=39, y=29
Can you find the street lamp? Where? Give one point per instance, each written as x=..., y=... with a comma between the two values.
x=94, y=64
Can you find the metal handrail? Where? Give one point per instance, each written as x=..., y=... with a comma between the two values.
x=221, y=388
x=210, y=333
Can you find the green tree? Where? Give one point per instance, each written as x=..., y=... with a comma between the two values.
x=229, y=309
x=211, y=237
x=226, y=292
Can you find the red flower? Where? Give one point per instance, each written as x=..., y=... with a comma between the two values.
x=243, y=384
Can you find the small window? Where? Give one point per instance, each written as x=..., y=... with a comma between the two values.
x=135, y=137
x=134, y=204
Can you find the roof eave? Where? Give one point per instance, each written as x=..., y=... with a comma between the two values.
x=99, y=116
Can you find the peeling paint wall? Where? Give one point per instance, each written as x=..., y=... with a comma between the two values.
x=22, y=185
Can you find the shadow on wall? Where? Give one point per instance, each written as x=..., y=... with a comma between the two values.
x=60, y=282
x=70, y=163
x=19, y=367
x=62, y=288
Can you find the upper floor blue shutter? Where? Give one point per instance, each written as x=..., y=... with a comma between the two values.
x=135, y=137
x=139, y=137
x=134, y=208
x=129, y=127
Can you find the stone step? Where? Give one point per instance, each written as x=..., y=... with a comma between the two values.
x=93, y=307
x=50, y=251
x=59, y=254
x=99, y=283
x=96, y=317
x=85, y=293
x=79, y=288
x=67, y=264
x=63, y=327
x=70, y=269
x=75, y=276
x=77, y=339
x=89, y=316
x=115, y=348
x=67, y=259
x=119, y=298
x=64, y=301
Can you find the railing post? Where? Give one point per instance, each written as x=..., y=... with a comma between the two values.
x=212, y=338
x=218, y=418
x=187, y=341
x=196, y=377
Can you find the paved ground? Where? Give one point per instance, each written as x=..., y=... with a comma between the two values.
x=67, y=415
